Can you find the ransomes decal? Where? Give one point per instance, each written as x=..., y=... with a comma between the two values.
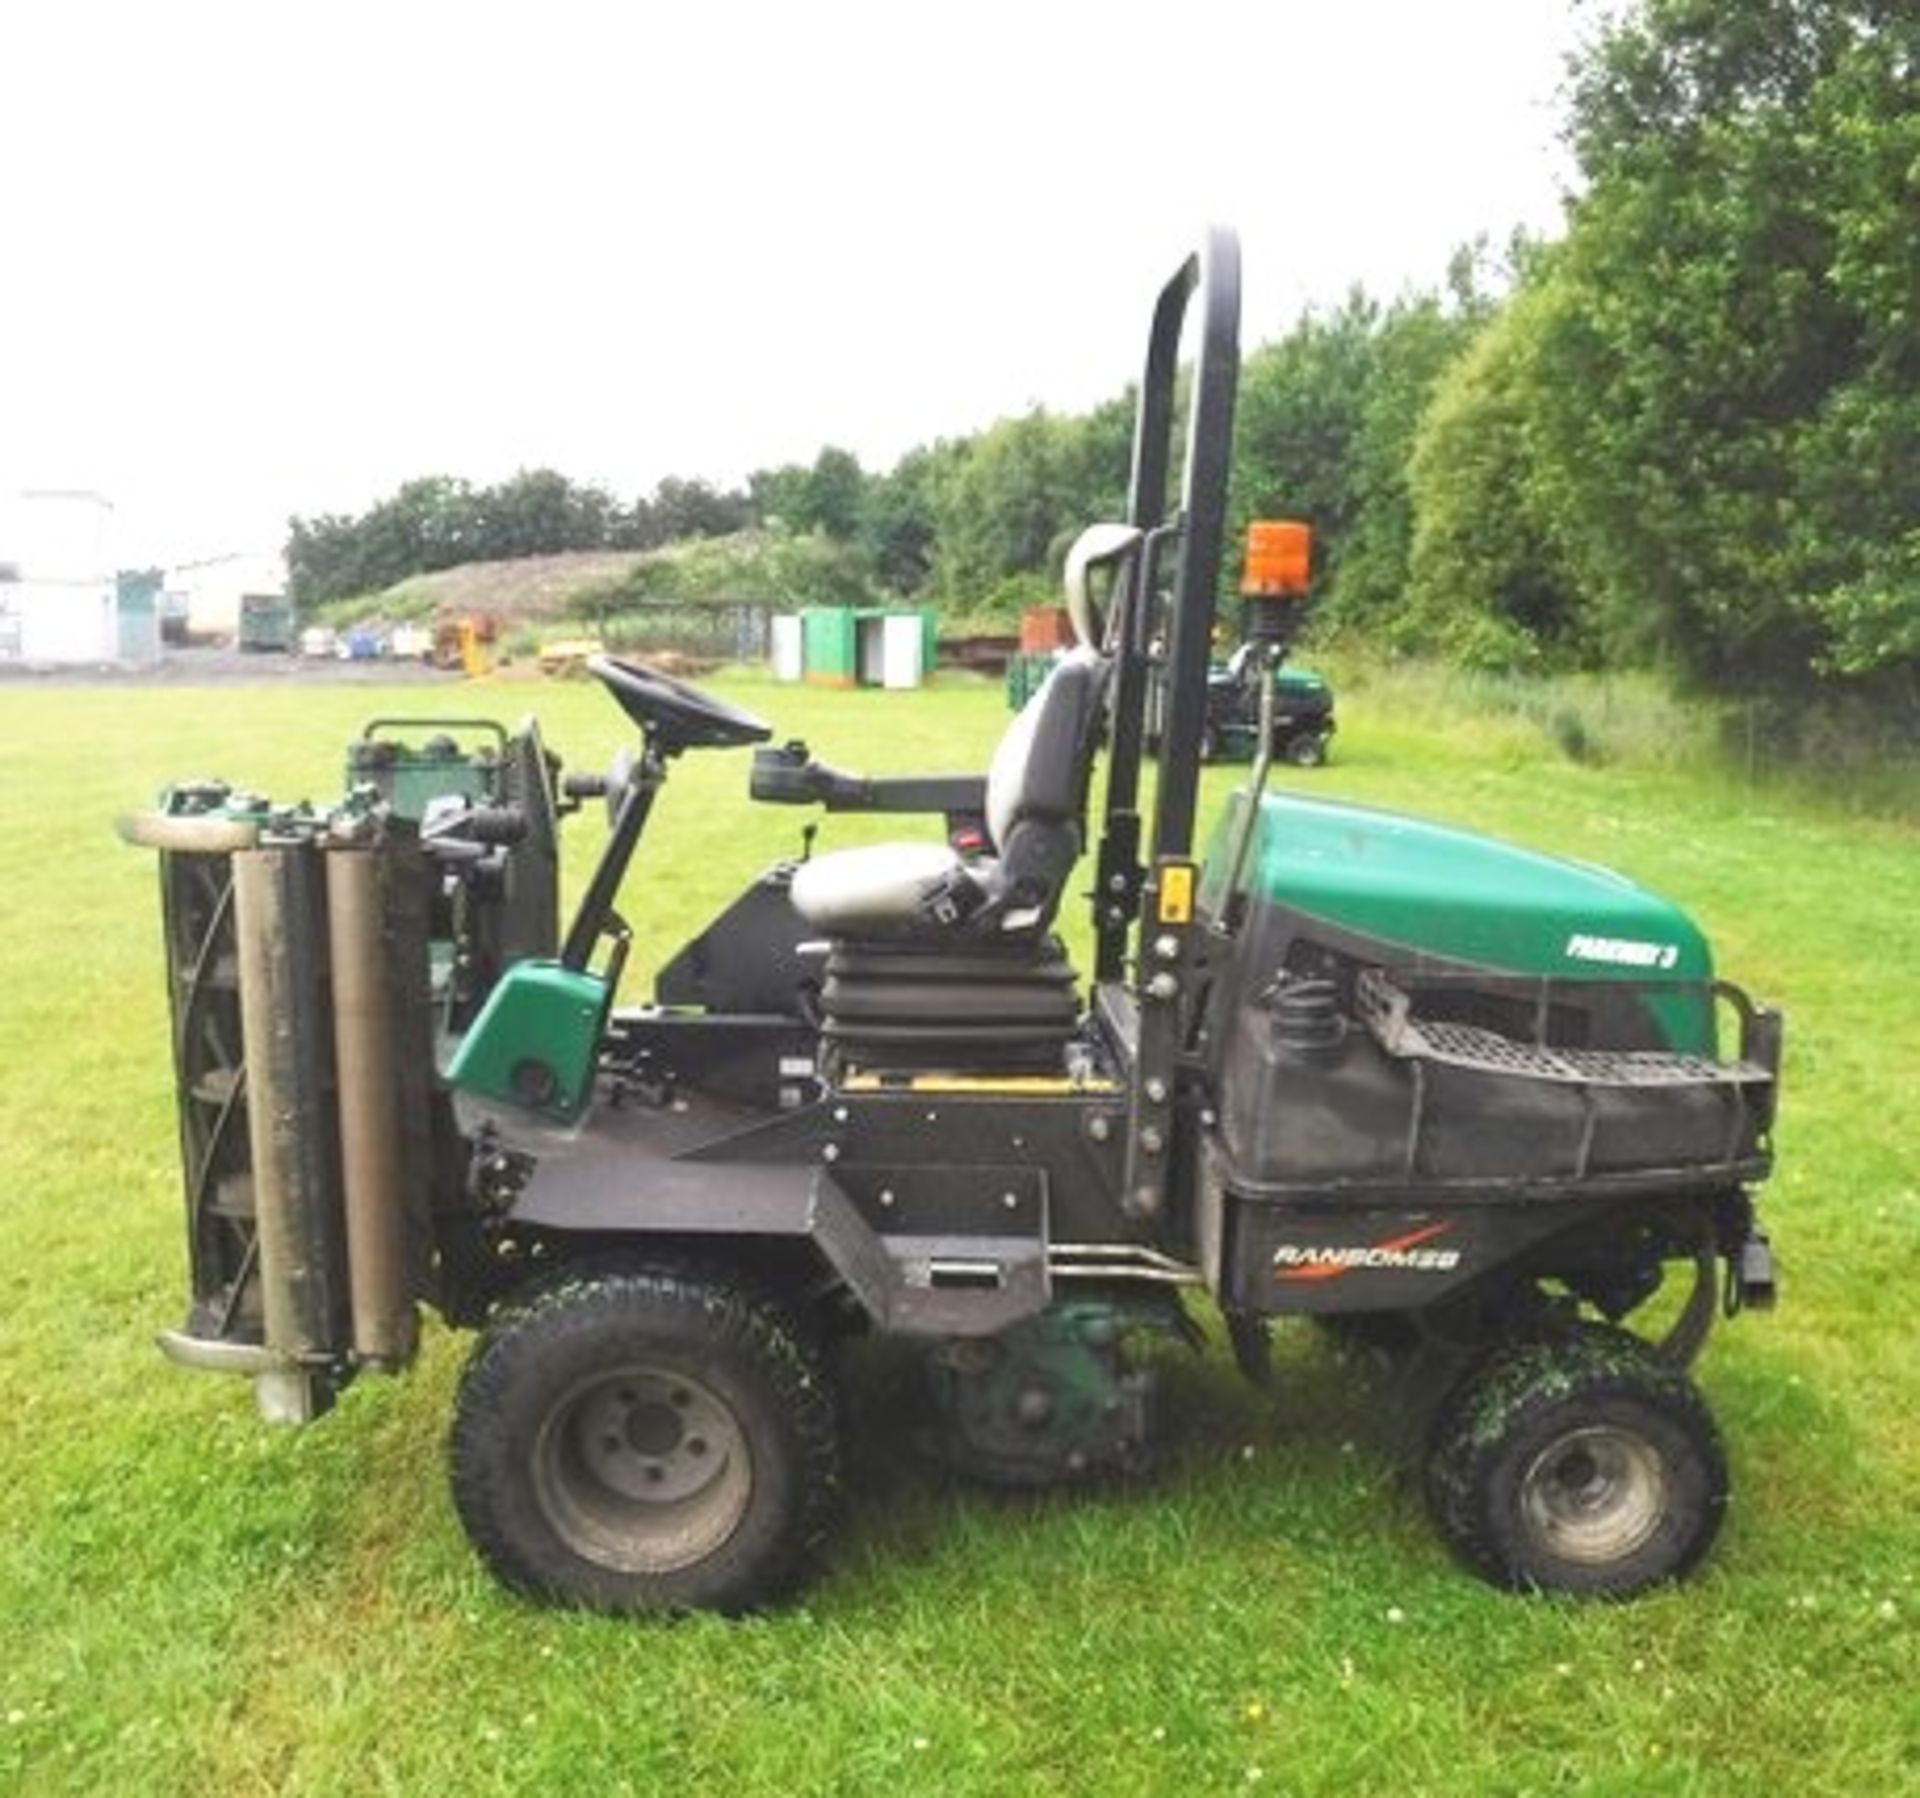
x=1622, y=952
x=1300, y=1263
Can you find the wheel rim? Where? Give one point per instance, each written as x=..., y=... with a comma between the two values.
x=643, y=1470
x=1595, y=1495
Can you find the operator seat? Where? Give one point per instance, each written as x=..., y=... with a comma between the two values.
x=927, y=894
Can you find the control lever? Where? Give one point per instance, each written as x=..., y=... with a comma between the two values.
x=455, y=831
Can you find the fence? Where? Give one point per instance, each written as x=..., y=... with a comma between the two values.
x=711, y=630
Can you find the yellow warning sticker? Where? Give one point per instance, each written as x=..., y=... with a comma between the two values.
x=1176, y=892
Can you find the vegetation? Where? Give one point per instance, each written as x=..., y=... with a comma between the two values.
x=1684, y=436
x=1702, y=404
x=192, y=1602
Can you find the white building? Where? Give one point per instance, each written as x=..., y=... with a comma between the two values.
x=210, y=591
x=56, y=578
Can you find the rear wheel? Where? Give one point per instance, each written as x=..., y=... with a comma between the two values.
x=643, y=1440
x=1307, y=749
x=1581, y=1464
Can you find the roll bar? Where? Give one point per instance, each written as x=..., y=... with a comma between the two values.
x=1197, y=528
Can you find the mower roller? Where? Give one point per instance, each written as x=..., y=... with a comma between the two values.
x=1433, y=1089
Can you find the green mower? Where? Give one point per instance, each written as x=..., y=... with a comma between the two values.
x=1474, y=1101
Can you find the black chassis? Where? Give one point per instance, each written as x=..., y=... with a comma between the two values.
x=1104, y=1163
x=954, y=1205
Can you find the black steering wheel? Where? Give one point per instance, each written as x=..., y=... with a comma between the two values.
x=673, y=715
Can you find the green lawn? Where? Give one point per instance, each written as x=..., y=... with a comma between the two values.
x=191, y=1602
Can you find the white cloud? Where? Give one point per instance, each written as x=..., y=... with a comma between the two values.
x=258, y=264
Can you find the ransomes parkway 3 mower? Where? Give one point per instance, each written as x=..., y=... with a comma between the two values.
x=1470, y=1102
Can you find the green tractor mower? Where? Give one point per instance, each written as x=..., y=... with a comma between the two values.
x=1342, y=1064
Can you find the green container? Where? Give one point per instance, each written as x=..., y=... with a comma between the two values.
x=830, y=646
x=841, y=645
x=1025, y=672
x=266, y=621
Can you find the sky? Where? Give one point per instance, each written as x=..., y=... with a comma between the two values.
x=259, y=260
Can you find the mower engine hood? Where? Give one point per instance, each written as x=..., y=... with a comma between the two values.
x=1435, y=890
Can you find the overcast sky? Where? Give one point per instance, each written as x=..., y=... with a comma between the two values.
x=260, y=259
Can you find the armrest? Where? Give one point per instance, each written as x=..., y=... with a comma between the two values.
x=790, y=776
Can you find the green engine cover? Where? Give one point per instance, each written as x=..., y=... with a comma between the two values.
x=1436, y=890
x=535, y=1042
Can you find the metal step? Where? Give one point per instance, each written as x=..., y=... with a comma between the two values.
x=1387, y=1013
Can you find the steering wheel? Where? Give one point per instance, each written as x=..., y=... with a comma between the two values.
x=674, y=715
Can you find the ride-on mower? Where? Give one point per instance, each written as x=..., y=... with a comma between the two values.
x=1345, y=1065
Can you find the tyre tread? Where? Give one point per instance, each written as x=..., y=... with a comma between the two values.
x=1518, y=1383
x=705, y=1310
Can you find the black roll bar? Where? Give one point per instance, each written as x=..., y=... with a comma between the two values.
x=1195, y=530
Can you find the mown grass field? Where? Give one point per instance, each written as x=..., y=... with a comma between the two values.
x=190, y=1602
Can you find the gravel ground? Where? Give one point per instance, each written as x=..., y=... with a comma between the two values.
x=201, y=667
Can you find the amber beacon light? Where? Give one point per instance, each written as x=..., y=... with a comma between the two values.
x=1279, y=555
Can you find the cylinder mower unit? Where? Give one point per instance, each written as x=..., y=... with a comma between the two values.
x=1470, y=1103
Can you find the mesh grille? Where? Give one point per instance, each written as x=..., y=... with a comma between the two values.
x=1387, y=1012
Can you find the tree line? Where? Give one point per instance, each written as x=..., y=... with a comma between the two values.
x=1686, y=432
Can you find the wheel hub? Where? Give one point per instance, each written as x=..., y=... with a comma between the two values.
x=643, y=1470
x=1595, y=1495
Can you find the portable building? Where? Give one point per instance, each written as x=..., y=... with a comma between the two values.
x=868, y=646
x=60, y=604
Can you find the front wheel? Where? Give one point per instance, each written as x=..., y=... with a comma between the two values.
x=645, y=1440
x=1582, y=1464
x=1306, y=749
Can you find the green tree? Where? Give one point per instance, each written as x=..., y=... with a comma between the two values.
x=897, y=523
x=1003, y=501
x=1487, y=582
x=1728, y=409
x=830, y=500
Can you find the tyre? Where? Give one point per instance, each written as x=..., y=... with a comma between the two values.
x=1581, y=1464
x=645, y=1440
x=1306, y=750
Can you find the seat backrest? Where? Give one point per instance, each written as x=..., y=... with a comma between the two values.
x=1039, y=770
x=1036, y=790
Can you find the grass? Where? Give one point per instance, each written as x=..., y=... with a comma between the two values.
x=190, y=1602
x=1846, y=752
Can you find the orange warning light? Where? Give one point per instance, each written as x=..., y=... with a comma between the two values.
x=1279, y=555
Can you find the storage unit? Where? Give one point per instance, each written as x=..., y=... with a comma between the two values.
x=137, y=598
x=868, y=646
x=789, y=658
x=266, y=622
x=212, y=591
x=1025, y=672
x=828, y=646
x=61, y=605
x=1044, y=629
